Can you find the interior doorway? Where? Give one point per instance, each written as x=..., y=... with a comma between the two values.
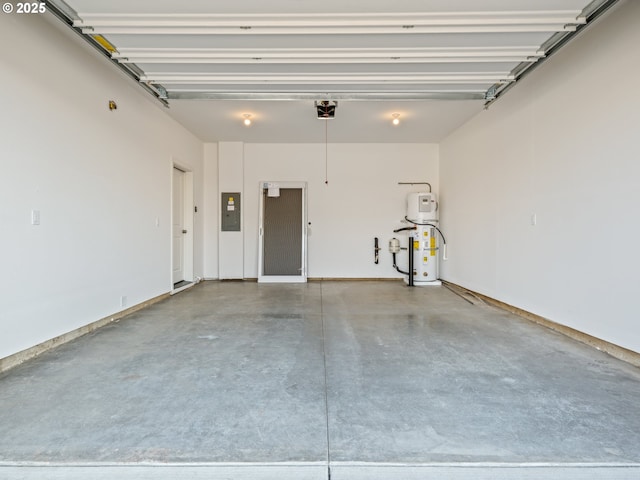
x=181, y=228
x=282, y=255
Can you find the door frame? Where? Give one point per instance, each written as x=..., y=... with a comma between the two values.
x=188, y=219
x=302, y=278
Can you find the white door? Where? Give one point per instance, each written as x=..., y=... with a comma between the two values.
x=178, y=226
x=282, y=243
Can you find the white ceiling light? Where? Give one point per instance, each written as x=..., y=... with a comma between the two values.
x=247, y=119
x=396, y=118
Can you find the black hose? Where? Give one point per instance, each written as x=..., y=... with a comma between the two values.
x=403, y=229
x=396, y=266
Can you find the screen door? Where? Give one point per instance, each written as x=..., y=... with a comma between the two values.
x=282, y=255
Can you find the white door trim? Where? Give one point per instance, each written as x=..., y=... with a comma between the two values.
x=302, y=278
x=188, y=222
x=177, y=226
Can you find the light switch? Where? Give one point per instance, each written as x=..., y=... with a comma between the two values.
x=35, y=217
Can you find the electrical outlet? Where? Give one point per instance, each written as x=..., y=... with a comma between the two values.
x=35, y=217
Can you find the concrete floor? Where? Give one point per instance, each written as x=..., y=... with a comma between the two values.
x=238, y=380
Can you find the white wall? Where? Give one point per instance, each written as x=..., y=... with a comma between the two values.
x=562, y=145
x=210, y=210
x=231, y=180
x=100, y=179
x=361, y=201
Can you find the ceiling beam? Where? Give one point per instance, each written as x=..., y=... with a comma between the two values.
x=330, y=24
x=356, y=96
x=399, y=78
x=326, y=55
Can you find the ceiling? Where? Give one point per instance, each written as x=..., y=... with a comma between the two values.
x=434, y=63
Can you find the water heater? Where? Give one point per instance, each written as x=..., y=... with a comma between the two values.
x=422, y=212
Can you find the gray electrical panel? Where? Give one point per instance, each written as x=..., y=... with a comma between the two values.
x=230, y=212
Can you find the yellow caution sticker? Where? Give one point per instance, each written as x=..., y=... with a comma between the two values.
x=433, y=246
